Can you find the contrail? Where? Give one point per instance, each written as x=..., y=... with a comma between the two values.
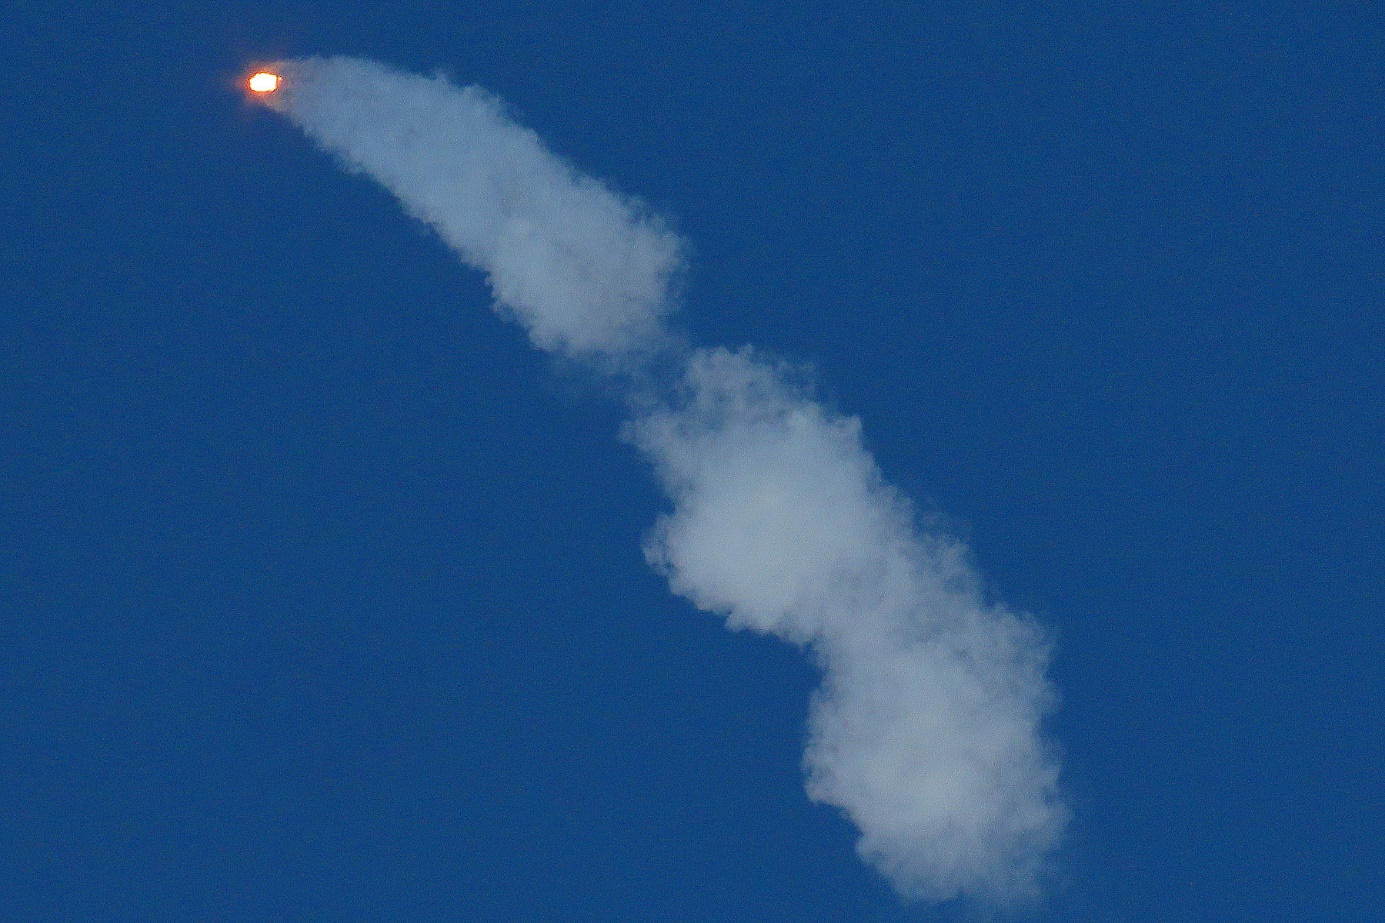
x=927, y=731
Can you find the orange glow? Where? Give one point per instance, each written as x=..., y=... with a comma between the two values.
x=264, y=82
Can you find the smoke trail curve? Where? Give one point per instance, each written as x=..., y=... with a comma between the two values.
x=584, y=270
x=927, y=731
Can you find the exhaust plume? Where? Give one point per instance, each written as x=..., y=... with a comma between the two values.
x=927, y=731
x=584, y=270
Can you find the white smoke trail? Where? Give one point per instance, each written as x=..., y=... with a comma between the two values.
x=926, y=732
x=583, y=269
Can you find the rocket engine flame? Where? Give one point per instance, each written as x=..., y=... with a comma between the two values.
x=264, y=82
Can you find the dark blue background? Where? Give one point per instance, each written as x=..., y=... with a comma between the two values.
x=321, y=596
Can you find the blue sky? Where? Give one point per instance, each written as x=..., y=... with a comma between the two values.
x=321, y=592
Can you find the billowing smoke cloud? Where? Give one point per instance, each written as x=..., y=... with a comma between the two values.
x=927, y=729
